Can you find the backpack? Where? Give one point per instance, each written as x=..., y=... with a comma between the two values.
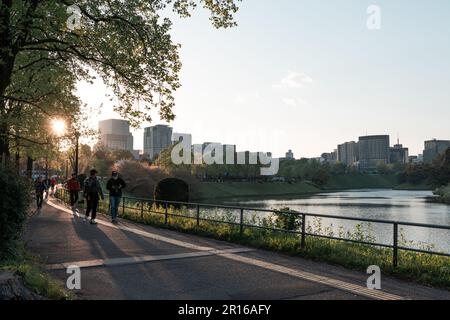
x=90, y=186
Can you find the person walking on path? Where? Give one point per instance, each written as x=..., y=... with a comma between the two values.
x=115, y=186
x=92, y=192
x=39, y=187
x=52, y=185
x=47, y=187
x=74, y=188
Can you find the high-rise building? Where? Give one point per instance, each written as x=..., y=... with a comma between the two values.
x=289, y=155
x=156, y=139
x=348, y=153
x=373, y=150
x=434, y=148
x=399, y=154
x=115, y=134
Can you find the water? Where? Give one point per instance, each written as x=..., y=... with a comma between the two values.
x=407, y=206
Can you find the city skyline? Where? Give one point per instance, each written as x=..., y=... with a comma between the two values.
x=323, y=80
x=342, y=155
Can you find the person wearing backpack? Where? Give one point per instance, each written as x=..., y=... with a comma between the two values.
x=92, y=192
x=115, y=186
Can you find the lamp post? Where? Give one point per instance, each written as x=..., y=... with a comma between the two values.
x=77, y=137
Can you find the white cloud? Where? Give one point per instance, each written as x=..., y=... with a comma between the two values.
x=294, y=80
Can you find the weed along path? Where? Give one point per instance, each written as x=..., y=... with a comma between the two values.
x=133, y=261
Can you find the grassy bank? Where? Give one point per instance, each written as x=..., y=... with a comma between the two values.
x=418, y=267
x=217, y=190
x=29, y=268
x=414, y=187
x=443, y=194
x=361, y=181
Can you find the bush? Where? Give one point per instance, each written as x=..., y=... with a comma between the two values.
x=14, y=204
x=286, y=219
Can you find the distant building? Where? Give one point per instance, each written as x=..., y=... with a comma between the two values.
x=434, y=148
x=348, y=153
x=398, y=154
x=156, y=139
x=373, y=150
x=115, y=135
x=289, y=155
x=330, y=157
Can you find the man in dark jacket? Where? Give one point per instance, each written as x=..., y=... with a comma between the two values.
x=115, y=186
x=92, y=192
x=40, y=186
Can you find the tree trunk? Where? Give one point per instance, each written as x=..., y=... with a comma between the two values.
x=30, y=167
x=4, y=144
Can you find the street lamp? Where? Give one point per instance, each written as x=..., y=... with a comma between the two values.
x=77, y=137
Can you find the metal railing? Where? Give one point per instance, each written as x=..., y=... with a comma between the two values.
x=302, y=232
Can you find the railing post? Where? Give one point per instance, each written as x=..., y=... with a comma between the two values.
x=241, y=224
x=395, y=249
x=198, y=215
x=166, y=215
x=303, y=240
x=123, y=206
x=142, y=210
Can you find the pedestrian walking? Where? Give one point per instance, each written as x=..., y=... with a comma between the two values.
x=74, y=188
x=52, y=185
x=39, y=187
x=92, y=192
x=47, y=187
x=115, y=186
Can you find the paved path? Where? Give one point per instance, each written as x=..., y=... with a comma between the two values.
x=132, y=261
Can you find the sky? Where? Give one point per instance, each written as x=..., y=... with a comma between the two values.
x=308, y=75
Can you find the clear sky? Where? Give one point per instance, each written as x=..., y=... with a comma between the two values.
x=307, y=75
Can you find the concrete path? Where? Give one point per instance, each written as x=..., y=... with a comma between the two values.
x=132, y=261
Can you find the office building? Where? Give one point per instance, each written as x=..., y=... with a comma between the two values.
x=156, y=139
x=399, y=154
x=434, y=148
x=115, y=135
x=373, y=151
x=348, y=153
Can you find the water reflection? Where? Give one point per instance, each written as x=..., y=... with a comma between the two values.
x=395, y=205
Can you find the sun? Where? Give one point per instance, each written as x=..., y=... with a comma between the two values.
x=59, y=127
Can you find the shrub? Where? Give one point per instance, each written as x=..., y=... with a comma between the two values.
x=287, y=219
x=14, y=204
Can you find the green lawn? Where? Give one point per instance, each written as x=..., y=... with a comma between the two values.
x=361, y=181
x=213, y=190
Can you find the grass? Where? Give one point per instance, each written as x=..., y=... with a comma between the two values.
x=361, y=181
x=213, y=190
x=30, y=269
x=443, y=194
x=414, y=187
x=418, y=267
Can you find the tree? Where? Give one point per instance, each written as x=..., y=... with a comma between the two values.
x=126, y=43
x=36, y=95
